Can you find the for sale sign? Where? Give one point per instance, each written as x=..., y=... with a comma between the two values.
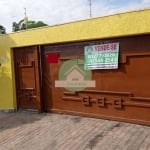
x=103, y=56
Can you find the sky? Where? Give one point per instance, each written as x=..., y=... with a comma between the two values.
x=54, y=12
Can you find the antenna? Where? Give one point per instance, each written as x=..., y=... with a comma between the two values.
x=90, y=5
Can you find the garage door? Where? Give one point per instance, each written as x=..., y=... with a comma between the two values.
x=119, y=94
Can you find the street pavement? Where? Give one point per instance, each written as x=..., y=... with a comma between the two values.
x=28, y=130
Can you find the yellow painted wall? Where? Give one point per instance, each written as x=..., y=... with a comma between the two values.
x=131, y=23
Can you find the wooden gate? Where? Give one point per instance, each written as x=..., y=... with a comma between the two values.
x=27, y=73
x=120, y=94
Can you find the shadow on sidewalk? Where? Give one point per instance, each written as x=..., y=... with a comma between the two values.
x=16, y=119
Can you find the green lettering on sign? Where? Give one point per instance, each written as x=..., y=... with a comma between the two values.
x=104, y=56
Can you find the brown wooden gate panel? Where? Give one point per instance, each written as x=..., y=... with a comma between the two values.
x=46, y=84
x=120, y=94
x=27, y=72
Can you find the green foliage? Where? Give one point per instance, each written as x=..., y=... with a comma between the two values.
x=15, y=27
x=21, y=25
x=2, y=30
x=33, y=24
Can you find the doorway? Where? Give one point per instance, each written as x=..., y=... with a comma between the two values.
x=28, y=77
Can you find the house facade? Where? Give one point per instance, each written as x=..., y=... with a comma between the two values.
x=27, y=77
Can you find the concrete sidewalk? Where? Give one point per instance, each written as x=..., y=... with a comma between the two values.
x=33, y=131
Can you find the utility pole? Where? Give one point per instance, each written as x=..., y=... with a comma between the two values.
x=25, y=18
x=90, y=5
x=25, y=12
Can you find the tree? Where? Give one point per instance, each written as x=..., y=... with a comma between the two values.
x=15, y=26
x=25, y=24
x=2, y=30
x=33, y=24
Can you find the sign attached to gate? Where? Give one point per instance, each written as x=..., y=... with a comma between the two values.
x=103, y=56
x=53, y=58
